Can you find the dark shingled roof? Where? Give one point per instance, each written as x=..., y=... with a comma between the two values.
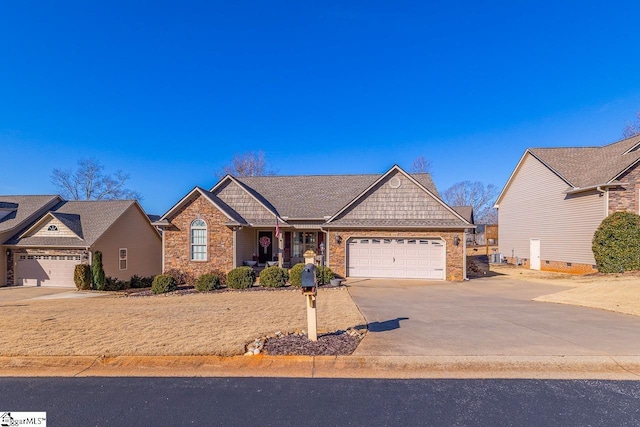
x=22, y=207
x=88, y=219
x=323, y=195
x=71, y=221
x=465, y=212
x=589, y=166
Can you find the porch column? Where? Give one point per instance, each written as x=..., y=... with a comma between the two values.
x=235, y=247
x=280, y=250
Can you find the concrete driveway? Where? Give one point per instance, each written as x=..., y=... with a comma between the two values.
x=485, y=317
x=23, y=293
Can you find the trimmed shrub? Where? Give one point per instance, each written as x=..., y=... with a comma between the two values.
x=221, y=275
x=274, y=277
x=181, y=277
x=82, y=277
x=295, y=275
x=324, y=275
x=113, y=284
x=97, y=271
x=241, y=278
x=208, y=282
x=616, y=243
x=163, y=283
x=138, y=282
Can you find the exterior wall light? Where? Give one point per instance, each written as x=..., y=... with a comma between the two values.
x=338, y=239
x=456, y=240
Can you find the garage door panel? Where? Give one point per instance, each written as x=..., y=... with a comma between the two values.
x=46, y=270
x=396, y=258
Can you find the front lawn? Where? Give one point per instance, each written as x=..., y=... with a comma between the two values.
x=194, y=324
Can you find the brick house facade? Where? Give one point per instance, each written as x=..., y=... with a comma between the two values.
x=241, y=216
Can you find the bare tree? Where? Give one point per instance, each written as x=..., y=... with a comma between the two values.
x=476, y=195
x=421, y=165
x=632, y=128
x=89, y=182
x=247, y=164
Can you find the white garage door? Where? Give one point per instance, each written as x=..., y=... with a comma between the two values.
x=396, y=258
x=47, y=270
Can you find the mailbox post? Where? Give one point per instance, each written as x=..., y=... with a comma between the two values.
x=310, y=290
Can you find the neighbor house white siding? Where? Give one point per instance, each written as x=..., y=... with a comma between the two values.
x=534, y=205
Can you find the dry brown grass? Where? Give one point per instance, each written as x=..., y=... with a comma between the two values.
x=613, y=292
x=194, y=324
x=619, y=297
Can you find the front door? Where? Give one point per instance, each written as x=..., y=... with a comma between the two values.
x=534, y=249
x=265, y=246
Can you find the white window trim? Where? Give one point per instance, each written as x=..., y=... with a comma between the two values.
x=125, y=259
x=206, y=240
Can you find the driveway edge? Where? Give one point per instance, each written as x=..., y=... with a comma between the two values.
x=382, y=367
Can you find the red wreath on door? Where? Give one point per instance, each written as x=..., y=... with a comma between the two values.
x=265, y=242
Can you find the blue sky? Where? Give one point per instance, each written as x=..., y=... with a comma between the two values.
x=169, y=91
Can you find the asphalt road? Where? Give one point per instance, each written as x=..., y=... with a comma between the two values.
x=322, y=402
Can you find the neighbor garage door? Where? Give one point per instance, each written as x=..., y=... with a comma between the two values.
x=396, y=258
x=47, y=270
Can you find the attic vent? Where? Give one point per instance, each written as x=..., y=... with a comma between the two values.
x=52, y=228
x=394, y=182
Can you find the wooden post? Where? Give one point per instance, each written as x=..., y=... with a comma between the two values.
x=312, y=319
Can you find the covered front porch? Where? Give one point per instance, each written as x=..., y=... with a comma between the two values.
x=260, y=247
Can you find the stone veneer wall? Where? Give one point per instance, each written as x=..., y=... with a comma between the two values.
x=337, y=253
x=10, y=269
x=219, y=239
x=626, y=198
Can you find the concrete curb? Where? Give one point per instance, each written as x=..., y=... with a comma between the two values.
x=382, y=367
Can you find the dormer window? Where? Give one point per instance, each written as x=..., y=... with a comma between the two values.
x=53, y=228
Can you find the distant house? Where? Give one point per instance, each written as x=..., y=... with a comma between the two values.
x=557, y=197
x=466, y=212
x=43, y=238
x=383, y=225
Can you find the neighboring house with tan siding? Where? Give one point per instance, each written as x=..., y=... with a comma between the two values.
x=379, y=225
x=556, y=198
x=43, y=238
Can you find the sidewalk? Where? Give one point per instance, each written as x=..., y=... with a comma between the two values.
x=383, y=367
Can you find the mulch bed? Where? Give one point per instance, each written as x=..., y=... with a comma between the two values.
x=189, y=289
x=337, y=344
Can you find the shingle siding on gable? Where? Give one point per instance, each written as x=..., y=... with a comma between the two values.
x=535, y=206
x=626, y=198
x=242, y=202
x=408, y=201
x=63, y=230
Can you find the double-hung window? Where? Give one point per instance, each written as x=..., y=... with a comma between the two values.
x=198, y=240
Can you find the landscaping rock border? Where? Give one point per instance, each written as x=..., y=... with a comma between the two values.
x=338, y=343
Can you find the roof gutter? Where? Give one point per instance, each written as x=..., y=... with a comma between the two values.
x=599, y=187
x=392, y=227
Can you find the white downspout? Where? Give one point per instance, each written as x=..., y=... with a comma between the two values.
x=605, y=194
x=163, y=251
